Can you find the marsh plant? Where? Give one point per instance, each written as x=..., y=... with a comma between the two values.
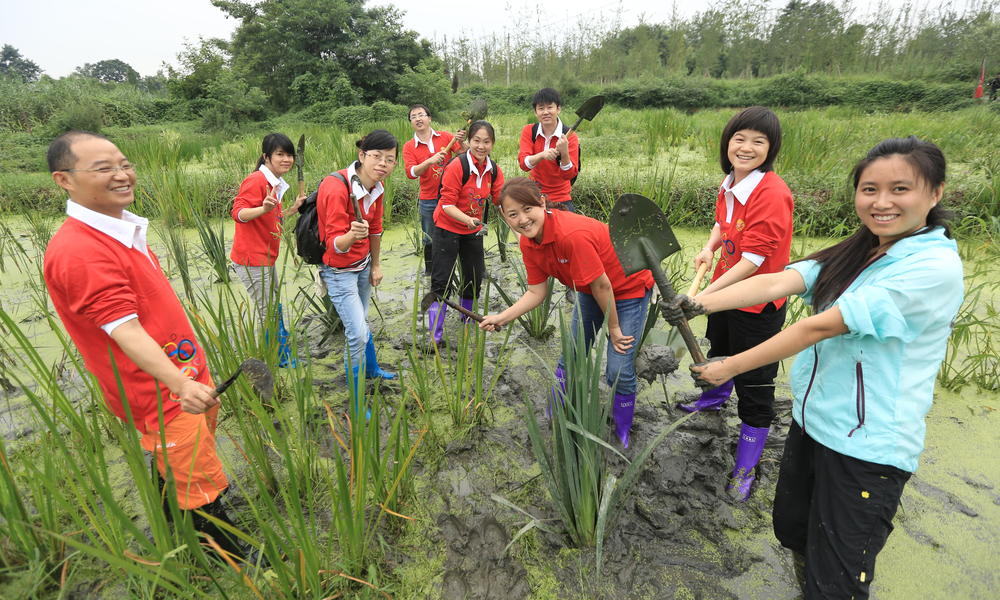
x=213, y=244
x=573, y=458
x=536, y=321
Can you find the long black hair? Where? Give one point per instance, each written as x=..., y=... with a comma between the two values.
x=843, y=262
x=271, y=144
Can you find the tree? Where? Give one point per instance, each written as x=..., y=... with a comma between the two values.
x=200, y=65
x=110, y=71
x=426, y=84
x=12, y=64
x=280, y=40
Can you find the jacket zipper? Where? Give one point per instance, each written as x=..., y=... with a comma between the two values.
x=809, y=387
x=859, y=399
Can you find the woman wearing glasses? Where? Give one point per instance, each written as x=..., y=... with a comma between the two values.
x=353, y=243
x=468, y=183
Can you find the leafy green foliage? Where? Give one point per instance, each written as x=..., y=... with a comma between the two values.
x=110, y=71
x=426, y=84
x=15, y=66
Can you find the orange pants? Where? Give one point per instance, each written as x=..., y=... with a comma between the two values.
x=190, y=451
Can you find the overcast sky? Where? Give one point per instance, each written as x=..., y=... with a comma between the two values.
x=60, y=35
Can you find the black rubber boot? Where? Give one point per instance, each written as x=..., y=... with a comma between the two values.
x=225, y=540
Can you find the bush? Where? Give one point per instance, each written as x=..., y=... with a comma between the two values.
x=793, y=90
x=87, y=116
x=426, y=84
x=320, y=112
x=350, y=118
x=384, y=111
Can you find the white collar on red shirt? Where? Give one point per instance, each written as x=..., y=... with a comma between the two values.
x=130, y=230
x=558, y=133
x=365, y=196
x=278, y=183
x=429, y=143
x=741, y=191
x=474, y=169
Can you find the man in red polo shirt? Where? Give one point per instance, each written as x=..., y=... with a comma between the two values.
x=108, y=289
x=547, y=153
x=425, y=156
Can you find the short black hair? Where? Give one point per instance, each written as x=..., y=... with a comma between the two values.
x=60, y=156
x=416, y=106
x=546, y=96
x=758, y=118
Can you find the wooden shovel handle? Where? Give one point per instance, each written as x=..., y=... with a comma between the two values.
x=463, y=310
x=698, y=277
x=667, y=293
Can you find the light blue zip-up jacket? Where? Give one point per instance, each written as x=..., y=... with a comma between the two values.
x=865, y=393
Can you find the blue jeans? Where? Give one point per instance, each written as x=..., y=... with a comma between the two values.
x=349, y=293
x=427, y=208
x=631, y=319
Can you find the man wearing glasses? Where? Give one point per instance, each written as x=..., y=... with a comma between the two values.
x=424, y=157
x=108, y=289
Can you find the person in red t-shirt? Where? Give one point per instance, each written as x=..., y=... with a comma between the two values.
x=257, y=212
x=424, y=157
x=112, y=297
x=468, y=183
x=352, y=263
x=577, y=250
x=753, y=227
x=547, y=153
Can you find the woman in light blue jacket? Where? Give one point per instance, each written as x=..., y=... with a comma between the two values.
x=883, y=302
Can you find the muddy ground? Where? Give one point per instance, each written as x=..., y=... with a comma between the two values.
x=678, y=535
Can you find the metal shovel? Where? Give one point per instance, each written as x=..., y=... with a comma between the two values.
x=642, y=239
x=588, y=110
x=259, y=375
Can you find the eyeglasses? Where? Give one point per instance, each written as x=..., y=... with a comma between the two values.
x=389, y=161
x=126, y=168
x=418, y=116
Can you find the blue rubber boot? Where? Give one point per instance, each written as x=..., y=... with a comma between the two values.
x=372, y=368
x=748, y=451
x=713, y=399
x=285, y=358
x=622, y=411
x=356, y=383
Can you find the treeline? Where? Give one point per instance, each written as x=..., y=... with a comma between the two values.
x=342, y=62
x=745, y=39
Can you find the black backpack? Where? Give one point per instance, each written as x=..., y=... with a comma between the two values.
x=309, y=245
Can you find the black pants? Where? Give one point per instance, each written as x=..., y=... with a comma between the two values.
x=836, y=511
x=732, y=332
x=468, y=249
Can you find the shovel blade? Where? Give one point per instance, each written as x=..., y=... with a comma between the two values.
x=637, y=222
x=260, y=377
x=589, y=109
x=478, y=109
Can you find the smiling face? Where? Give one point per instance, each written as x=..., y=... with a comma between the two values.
x=526, y=219
x=106, y=193
x=480, y=144
x=747, y=151
x=892, y=200
x=279, y=162
x=547, y=113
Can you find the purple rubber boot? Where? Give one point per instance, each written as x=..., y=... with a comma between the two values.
x=622, y=411
x=712, y=399
x=466, y=303
x=435, y=320
x=748, y=451
x=557, y=394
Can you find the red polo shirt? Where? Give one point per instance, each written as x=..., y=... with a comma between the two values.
x=552, y=180
x=255, y=242
x=93, y=280
x=414, y=154
x=762, y=225
x=577, y=250
x=471, y=197
x=335, y=213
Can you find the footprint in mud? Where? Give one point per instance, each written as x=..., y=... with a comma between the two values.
x=477, y=567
